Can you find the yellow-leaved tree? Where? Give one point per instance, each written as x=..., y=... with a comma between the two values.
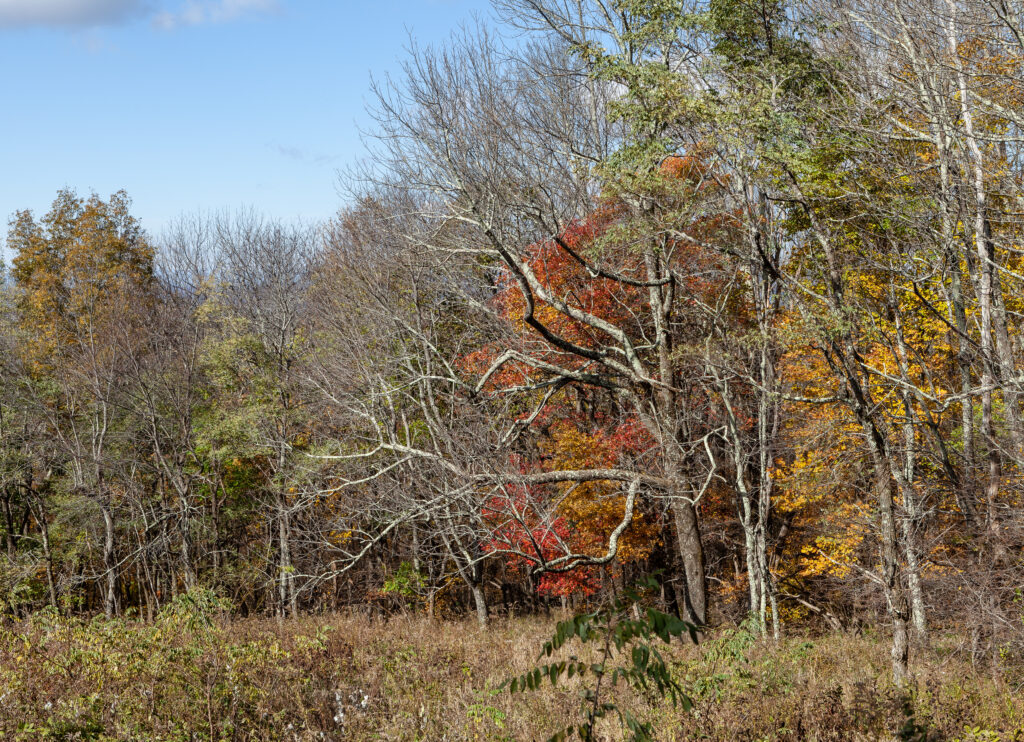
x=84, y=279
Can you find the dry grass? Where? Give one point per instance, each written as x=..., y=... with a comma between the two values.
x=348, y=678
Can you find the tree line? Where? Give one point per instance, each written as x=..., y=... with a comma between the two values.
x=727, y=291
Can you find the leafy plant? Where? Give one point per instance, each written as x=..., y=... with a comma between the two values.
x=725, y=659
x=628, y=654
x=195, y=610
x=406, y=582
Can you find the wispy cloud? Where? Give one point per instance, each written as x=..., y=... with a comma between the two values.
x=165, y=14
x=199, y=12
x=69, y=13
x=94, y=43
x=301, y=155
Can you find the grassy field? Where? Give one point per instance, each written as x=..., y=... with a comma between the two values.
x=187, y=677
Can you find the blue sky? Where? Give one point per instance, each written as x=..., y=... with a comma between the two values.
x=197, y=105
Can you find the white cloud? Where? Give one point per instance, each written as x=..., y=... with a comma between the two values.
x=197, y=12
x=20, y=13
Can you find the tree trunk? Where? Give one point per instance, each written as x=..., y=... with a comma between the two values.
x=284, y=566
x=480, y=602
x=44, y=532
x=109, y=564
x=186, y=546
x=986, y=279
x=965, y=493
x=691, y=550
x=8, y=511
x=1004, y=354
x=891, y=579
x=907, y=490
x=955, y=298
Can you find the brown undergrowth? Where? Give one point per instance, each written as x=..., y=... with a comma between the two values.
x=191, y=676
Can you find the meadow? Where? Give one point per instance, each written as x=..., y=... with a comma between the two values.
x=194, y=674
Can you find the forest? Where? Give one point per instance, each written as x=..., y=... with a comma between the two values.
x=722, y=298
